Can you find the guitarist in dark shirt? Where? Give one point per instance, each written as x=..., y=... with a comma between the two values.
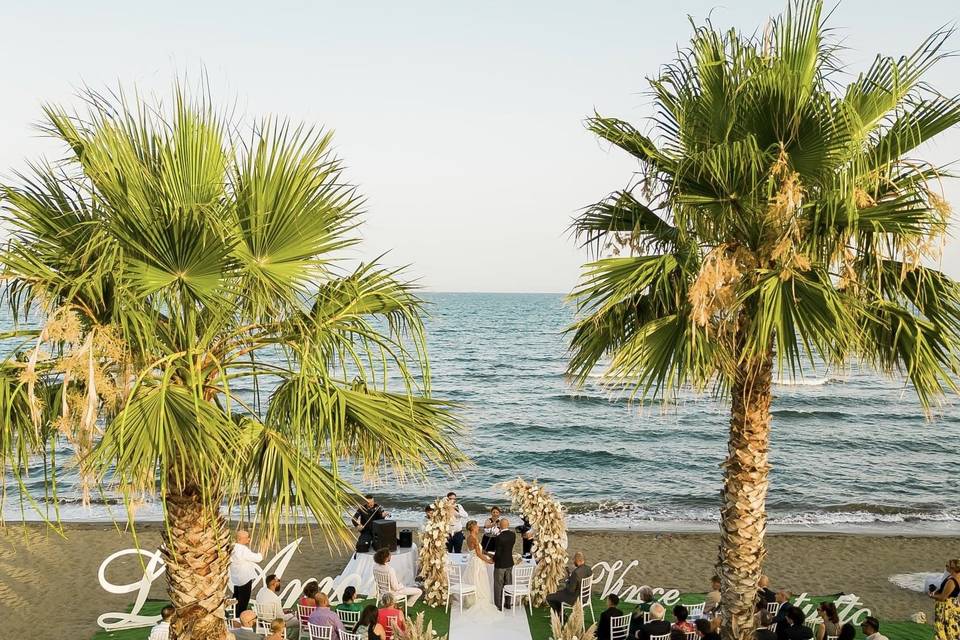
x=363, y=520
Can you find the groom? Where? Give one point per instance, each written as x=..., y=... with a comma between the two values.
x=503, y=560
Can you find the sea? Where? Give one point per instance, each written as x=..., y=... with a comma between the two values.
x=851, y=450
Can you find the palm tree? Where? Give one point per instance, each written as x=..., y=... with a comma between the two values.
x=777, y=217
x=193, y=338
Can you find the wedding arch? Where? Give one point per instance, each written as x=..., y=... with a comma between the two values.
x=546, y=515
x=433, y=553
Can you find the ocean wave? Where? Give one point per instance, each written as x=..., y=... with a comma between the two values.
x=807, y=382
x=596, y=515
x=808, y=414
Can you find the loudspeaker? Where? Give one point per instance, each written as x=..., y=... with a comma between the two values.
x=406, y=539
x=384, y=535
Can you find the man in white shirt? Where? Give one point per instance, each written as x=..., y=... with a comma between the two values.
x=243, y=570
x=455, y=539
x=270, y=606
x=871, y=629
x=384, y=573
x=161, y=630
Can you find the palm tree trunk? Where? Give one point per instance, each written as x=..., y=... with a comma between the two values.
x=197, y=556
x=743, y=518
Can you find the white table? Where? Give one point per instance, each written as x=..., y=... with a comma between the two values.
x=403, y=561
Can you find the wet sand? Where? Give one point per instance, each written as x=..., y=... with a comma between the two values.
x=39, y=566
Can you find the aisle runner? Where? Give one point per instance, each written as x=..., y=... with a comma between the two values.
x=509, y=626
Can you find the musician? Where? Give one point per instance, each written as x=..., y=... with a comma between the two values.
x=364, y=517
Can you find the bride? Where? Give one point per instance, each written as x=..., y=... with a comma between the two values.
x=476, y=572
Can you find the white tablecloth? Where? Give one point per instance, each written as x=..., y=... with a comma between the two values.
x=403, y=561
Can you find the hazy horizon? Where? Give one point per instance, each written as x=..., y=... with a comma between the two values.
x=462, y=125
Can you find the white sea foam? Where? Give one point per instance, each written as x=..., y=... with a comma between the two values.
x=807, y=382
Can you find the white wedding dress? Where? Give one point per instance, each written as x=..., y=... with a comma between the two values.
x=479, y=575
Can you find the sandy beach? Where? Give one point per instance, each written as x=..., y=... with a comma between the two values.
x=37, y=565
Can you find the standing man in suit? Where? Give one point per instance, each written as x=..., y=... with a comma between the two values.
x=503, y=560
x=571, y=589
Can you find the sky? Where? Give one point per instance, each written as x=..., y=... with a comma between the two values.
x=461, y=123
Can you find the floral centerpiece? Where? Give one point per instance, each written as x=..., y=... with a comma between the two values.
x=419, y=629
x=545, y=514
x=573, y=628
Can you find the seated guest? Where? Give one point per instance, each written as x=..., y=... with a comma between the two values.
x=383, y=571
x=322, y=616
x=680, y=622
x=612, y=611
x=713, y=596
x=388, y=611
x=762, y=618
x=309, y=596
x=764, y=593
x=367, y=626
x=871, y=629
x=268, y=598
x=793, y=628
x=763, y=633
x=636, y=617
x=706, y=630
x=161, y=630
x=783, y=599
x=277, y=628
x=571, y=588
x=246, y=628
x=831, y=621
x=307, y=599
x=349, y=600
x=657, y=625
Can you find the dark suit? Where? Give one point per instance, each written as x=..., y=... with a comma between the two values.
x=503, y=563
x=603, y=624
x=781, y=616
x=766, y=596
x=796, y=632
x=571, y=589
x=654, y=628
x=764, y=634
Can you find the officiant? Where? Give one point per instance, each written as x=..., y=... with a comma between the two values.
x=491, y=529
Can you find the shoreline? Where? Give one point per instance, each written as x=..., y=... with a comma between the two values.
x=916, y=529
x=36, y=561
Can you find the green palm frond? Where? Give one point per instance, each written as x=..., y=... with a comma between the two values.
x=783, y=207
x=376, y=429
x=293, y=211
x=286, y=484
x=166, y=434
x=173, y=260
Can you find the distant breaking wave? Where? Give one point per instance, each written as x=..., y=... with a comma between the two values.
x=807, y=382
x=596, y=516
